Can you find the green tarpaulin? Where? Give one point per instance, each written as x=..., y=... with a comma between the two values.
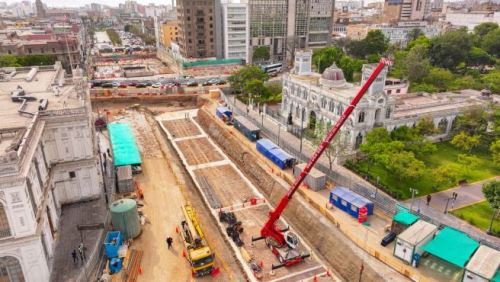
x=405, y=217
x=125, y=151
x=452, y=246
x=207, y=63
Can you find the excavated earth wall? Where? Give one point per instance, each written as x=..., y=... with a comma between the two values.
x=326, y=239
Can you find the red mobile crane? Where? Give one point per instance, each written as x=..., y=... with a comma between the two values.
x=276, y=239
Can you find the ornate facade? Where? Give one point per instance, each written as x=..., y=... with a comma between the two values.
x=317, y=101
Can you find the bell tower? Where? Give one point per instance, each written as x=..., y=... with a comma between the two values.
x=377, y=86
x=40, y=10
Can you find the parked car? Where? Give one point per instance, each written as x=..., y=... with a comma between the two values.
x=191, y=83
x=141, y=85
x=107, y=85
x=136, y=169
x=116, y=84
x=206, y=83
x=388, y=239
x=156, y=85
x=221, y=81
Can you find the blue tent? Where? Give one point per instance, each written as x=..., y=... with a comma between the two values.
x=274, y=153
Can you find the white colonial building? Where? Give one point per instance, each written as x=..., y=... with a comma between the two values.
x=47, y=158
x=316, y=101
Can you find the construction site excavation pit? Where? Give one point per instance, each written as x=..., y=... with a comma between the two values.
x=199, y=151
x=225, y=189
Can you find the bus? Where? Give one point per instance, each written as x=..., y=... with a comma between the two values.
x=273, y=68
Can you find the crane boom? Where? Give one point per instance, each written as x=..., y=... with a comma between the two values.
x=270, y=230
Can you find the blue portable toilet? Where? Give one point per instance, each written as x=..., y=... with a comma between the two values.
x=224, y=113
x=349, y=201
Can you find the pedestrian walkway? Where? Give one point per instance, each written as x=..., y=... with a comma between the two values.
x=467, y=194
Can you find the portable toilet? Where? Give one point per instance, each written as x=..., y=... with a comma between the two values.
x=224, y=113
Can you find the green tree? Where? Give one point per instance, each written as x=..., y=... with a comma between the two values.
x=491, y=42
x=414, y=34
x=472, y=122
x=447, y=174
x=375, y=42
x=439, y=77
x=325, y=57
x=261, y=54
x=8, y=61
x=114, y=37
x=495, y=152
x=479, y=57
x=406, y=166
x=491, y=192
x=413, y=141
x=256, y=87
x=482, y=29
x=423, y=87
x=350, y=66
x=465, y=141
x=239, y=79
x=419, y=41
x=450, y=49
x=417, y=64
x=468, y=161
x=492, y=81
x=425, y=126
x=36, y=60
x=127, y=28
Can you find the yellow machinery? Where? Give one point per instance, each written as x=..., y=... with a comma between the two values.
x=198, y=252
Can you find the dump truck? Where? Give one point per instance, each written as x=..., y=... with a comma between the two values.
x=197, y=251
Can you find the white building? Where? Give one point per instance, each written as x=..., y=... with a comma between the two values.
x=47, y=158
x=236, y=29
x=316, y=101
x=472, y=18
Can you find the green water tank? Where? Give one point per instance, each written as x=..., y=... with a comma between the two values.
x=125, y=218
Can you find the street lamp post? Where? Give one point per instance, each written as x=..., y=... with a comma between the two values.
x=413, y=193
x=301, y=130
x=279, y=132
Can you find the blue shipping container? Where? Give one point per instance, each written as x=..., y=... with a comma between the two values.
x=275, y=153
x=349, y=201
x=114, y=240
x=223, y=112
x=247, y=128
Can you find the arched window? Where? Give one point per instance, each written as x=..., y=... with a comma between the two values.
x=340, y=109
x=331, y=106
x=361, y=117
x=4, y=223
x=359, y=140
x=323, y=103
x=443, y=125
x=10, y=269
x=388, y=113
x=297, y=111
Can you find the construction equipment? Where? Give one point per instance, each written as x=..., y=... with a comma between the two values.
x=282, y=242
x=197, y=251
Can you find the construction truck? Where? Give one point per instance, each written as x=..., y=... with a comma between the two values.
x=197, y=251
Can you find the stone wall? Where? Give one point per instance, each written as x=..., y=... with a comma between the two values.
x=320, y=233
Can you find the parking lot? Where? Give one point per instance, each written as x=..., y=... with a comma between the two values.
x=161, y=82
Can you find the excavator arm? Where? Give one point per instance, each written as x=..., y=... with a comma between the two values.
x=270, y=229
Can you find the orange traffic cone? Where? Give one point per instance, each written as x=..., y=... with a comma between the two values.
x=140, y=269
x=261, y=264
x=177, y=229
x=183, y=253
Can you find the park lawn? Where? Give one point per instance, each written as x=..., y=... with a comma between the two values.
x=479, y=215
x=445, y=154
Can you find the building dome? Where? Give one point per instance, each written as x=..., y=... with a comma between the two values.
x=333, y=77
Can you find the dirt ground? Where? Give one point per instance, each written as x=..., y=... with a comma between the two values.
x=163, y=196
x=199, y=151
x=181, y=128
x=226, y=184
x=252, y=221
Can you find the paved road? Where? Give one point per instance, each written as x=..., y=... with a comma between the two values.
x=468, y=194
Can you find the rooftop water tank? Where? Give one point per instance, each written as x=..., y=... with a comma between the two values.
x=125, y=218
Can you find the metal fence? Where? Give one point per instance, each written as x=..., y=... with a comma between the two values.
x=382, y=201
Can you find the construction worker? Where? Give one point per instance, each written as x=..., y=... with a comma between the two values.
x=429, y=198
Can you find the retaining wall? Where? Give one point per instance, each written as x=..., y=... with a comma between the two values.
x=318, y=231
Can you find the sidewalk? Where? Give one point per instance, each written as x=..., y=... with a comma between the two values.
x=468, y=194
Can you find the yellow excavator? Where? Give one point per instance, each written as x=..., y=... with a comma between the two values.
x=197, y=251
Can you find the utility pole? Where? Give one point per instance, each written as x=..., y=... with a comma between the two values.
x=279, y=131
x=301, y=130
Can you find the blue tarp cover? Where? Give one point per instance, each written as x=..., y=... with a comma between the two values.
x=274, y=153
x=125, y=150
